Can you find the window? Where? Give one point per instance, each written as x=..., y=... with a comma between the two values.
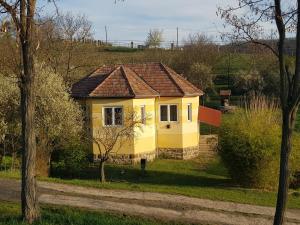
x=168, y=113
x=113, y=116
x=173, y=112
x=118, y=116
x=189, y=112
x=164, y=113
x=143, y=114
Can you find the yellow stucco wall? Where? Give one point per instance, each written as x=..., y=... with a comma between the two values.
x=169, y=137
x=182, y=133
x=145, y=139
x=155, y=133
x=96, y=109
x=190, y=129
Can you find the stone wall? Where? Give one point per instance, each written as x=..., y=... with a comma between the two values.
x=130, y=158
x=207, y=143
x=178, y=153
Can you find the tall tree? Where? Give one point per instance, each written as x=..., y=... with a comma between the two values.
x=154, y=38
x=22, y=13
x=250, y=19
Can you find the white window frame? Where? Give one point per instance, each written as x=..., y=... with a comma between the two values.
x=168, y=113
x=143, y=117
x=113, y=115
x=189, y=112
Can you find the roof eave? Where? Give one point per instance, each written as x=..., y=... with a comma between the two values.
x=100, y=97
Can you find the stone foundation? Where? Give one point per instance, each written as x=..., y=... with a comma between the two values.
x=130, y=158
x=163, y=153
x=178, y=153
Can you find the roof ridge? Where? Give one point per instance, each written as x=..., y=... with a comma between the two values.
x=98, y=86
x=126, y=78
x=171, y=78
x=140, y=77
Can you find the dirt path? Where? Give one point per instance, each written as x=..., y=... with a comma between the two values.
x=153, y=205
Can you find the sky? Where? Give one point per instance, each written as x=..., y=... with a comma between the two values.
x=131, y=20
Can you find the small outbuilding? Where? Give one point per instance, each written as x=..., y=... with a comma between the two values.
x=225, y=97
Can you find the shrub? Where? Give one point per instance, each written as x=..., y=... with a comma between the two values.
x=249, y=145
x=70, y=161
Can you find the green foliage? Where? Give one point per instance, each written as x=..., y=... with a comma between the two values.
x=58, y=116
x=120, y=49
x=265, y=81
x=246, y=81
x=7, y=161
x=70, y=161
x=201, y=75
x=249, y=145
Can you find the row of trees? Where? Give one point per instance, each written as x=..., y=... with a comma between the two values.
x=58, y=119
x=26, y=43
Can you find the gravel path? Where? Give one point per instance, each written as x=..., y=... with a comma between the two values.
x=148, y=204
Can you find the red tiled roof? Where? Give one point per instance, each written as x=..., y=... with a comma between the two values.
x=115, y=85
x=138, y=85
x=134, y=81
x=186, y=87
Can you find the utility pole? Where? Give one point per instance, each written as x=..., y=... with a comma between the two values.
x=228, y=67
x=177, y=38
x=105, y=35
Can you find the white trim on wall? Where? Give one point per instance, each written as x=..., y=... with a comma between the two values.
x=113, y=115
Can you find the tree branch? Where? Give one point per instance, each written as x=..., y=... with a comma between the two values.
x=12, y=10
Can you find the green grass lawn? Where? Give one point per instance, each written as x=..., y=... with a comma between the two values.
x=10, y=215
x=195, y=178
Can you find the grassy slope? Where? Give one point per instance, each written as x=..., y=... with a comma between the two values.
x=190, y=178
x=10, y=215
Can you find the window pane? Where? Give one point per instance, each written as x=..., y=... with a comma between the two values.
x=143, y=115
x=173, y=112
x=108, y=116
x=189, y=112
x=163, y=113
x=118, y=116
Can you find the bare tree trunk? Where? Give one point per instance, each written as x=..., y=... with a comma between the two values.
x=288, y=121
x=29, y=201
x=28, y=195
x=102, y=172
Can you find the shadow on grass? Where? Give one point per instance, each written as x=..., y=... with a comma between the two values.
x=133, y=175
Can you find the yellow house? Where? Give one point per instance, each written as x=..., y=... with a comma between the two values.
x=153, y=89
